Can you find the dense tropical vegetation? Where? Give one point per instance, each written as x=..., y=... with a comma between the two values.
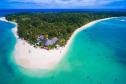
x=50, y=25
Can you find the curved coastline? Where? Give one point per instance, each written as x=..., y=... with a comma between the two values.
x=27, y=56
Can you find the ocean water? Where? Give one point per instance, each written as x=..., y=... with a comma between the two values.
x=96, y=55
x=12, y=11
x=7, y=42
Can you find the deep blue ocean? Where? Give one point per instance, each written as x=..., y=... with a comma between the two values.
x=96, y=55
x=11, y=11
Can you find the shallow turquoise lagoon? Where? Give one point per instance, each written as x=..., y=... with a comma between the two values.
x=96, y=55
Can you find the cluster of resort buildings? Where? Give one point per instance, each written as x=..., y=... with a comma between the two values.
x=46, y=42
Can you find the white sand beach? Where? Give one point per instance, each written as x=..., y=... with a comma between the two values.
x=27, y=56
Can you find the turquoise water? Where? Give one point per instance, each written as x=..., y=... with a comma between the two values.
x=96, y=55
x=7, y=42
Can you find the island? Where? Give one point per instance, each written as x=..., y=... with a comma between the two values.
x=43, y=38
x=51, y=30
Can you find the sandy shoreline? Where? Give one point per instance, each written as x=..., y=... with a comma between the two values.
x=27, y=56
